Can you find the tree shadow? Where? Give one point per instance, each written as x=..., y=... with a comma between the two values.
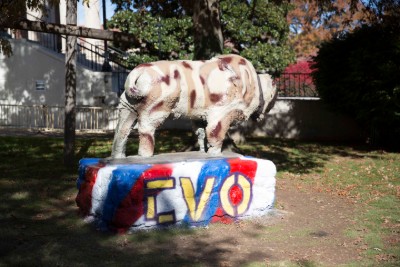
x=301, y=156
x=40, y=225
x=287, y=154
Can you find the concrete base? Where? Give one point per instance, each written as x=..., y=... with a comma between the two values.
x=180, y=188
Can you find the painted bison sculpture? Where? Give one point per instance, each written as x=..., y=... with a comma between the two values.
x=220, y=91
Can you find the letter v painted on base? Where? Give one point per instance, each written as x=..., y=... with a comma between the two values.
x=196, y=209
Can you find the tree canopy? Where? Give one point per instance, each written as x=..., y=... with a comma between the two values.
x=257, y=30
x=314, y=22
x=168, y=22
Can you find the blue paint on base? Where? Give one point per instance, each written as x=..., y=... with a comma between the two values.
x=218, y=169
x=83, y=163
x=121, y=183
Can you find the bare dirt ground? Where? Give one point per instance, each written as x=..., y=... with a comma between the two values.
x=307, y=229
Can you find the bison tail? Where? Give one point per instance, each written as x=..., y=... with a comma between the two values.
x=131, y=88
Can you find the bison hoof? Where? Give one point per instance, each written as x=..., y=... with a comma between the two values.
x=145, y=154
x=118, y=156
x=214, y=151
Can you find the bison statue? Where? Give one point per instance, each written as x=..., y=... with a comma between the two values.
x=219, y=91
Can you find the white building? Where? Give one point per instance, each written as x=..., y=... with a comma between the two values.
x=35, y=73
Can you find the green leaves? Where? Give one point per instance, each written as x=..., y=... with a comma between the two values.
x=259, y=32
x=161, y=38
x=256, y=30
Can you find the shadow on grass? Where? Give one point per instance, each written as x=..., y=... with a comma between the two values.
x=299, y=156
x=288, y=155
x=39, y=224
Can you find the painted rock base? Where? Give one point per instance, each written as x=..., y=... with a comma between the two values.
x=181, y=188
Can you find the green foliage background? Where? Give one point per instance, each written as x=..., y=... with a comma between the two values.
x=259, y=33
x=358, y=74
x=160, y=37
x=256, y=30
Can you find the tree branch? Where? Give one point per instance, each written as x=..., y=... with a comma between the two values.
x=38, y=26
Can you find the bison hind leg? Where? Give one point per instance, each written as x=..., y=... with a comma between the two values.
x=127, y=119
x=147, y=126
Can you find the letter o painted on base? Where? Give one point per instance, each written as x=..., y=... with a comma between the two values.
x=232, y=200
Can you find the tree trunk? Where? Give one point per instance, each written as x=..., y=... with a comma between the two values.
x=208, y=40
x=70, y=88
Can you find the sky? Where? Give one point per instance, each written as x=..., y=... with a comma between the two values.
x=109, y=11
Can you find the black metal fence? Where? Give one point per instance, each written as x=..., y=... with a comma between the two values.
x=92, y=56
x=288, y=84
x=296, y=85
x=118, y=81
x=89, y=55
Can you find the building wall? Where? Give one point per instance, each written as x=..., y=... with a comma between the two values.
x=31, y=63
x=306, y=119
x=292, y=118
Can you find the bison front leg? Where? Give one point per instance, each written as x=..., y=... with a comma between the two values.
x=198, y=128
x=146, y=143
x=126, y=120
x=216, y=133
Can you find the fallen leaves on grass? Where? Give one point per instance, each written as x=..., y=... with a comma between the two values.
x=386, y=258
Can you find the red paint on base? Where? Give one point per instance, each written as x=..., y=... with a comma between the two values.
x=235, y=195
x=132, y=207
x=220, y=216
x=84, y=197
x=247, y=167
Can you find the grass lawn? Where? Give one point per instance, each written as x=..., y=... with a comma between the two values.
x=39, y=225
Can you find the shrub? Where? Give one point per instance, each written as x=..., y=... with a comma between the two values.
x=359, y=74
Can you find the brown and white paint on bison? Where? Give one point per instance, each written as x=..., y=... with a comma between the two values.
x=220, y=91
